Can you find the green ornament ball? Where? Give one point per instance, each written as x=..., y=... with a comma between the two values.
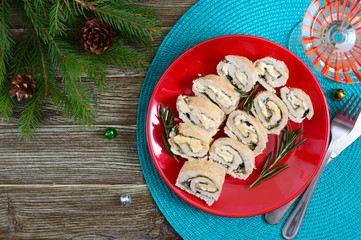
x=111, y=132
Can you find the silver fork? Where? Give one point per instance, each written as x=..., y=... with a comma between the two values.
x=341, y=125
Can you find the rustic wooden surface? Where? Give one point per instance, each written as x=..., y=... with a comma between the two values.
x=66, y=183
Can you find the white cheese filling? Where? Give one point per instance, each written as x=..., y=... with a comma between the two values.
x=220, y=96
x=263, y=67
x=295, y=102
x=227, y=153
x=235, y=73
x=202, y=118
x=275, y=109
x=194, y=144
x=263, y=108
x=246, y=131
x=272, y=106
x=206, y=184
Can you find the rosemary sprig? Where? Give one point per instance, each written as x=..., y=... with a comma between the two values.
x=284, y=147
x=247, y=98
x=167, y=119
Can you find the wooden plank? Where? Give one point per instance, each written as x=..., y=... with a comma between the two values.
x=80, y=212
x=64, y=155
x=66, y=183
x=168, y=11
x=116, y=106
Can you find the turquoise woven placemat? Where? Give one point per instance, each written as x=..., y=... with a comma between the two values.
x=335, y=209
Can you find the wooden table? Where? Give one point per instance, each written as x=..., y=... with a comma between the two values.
x=66, y=183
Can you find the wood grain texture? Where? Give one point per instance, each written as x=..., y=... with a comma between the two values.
x=66, y=182
x=80, y=212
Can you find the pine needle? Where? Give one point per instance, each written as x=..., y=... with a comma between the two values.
x=51, y=47
x=5, y=40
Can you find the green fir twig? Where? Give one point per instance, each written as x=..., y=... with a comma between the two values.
x=51, y=53
x=247, y=98
x=270, y=168
x=167, y=119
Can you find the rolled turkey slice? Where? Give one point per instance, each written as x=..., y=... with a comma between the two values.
x=239, y=71
x=236, y=158
x=201, y=112
x=201, y=178
x=298, y=103
x=270, y=111
x=188, y=140
x=248, y=130
x=272, y=73
x=218, y=90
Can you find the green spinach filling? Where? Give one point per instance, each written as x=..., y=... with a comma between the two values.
x=263, y=76
x=187, y=184
x=226, y=166
x=270, y=114
x=306, y=112
x=249, y=144
x=217, y=95
x=240, y=169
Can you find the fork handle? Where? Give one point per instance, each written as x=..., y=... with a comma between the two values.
x=274, y=217
x=293, y=223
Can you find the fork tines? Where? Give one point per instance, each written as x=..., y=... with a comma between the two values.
x=349, y=108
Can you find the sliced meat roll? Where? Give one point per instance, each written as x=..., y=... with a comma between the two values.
x=201, y=112
x=299, y=104
x=201, y=178
x=239, y=71
x=248, y=130
x=270, y=111
x=188, y=140
x=233, y=156
x=272, y=73
x=218, y=90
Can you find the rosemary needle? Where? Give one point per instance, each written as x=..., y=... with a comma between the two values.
x=167, y=119
x=247, y=98
x=283, y=147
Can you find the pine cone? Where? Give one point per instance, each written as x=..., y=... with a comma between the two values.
x=96, y=36
x=23, y=86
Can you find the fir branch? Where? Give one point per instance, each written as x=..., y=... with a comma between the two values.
x=125, y=17
x=33, y=109
x=96, y=74
x=124, y=57
x=46, y=52
x=6, y=102
x=71, y=12
x=41, y=4
x=23, y=55
x=31, y=116
x=57, y=19
x=43, y=66
x=37, y=21
x=32, y=113
x=70, y=69
x=73, y=86
x=284, y=147
x=126, y=38
x=99, y=1
x=62, y=103
x=6, y=42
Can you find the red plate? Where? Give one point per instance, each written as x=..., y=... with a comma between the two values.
x=236, y=200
